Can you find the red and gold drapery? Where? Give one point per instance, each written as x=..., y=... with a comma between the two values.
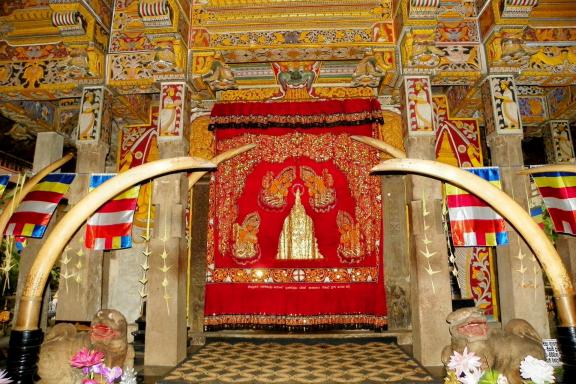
x=305, y=172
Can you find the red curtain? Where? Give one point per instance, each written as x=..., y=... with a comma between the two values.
x=304, y=149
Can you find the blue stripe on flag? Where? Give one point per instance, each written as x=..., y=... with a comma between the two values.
x=38, y=231
x=125, y=242
x=501, y=238
x=487, y=173
x=4, y=179
x=554, y=174
x=536, y=211
x=98, y=179
x=64, y=178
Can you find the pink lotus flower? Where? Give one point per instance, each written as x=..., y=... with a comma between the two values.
x=89, y=381
x=86, y=358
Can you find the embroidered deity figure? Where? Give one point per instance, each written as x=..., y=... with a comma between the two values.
x=349, y=249
x=297, y=239
x=275, y=189
x=246, y=239
x=320, y=188
x=422, y=107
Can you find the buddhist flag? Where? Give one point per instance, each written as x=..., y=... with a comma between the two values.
x=111, y=226
x=472, y=221
x=558, y=189
x=3, y=183
x=34, y=212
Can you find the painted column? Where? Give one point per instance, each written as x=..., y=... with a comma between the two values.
x=558, y=139
x=80, y=288
x=49, y=148
x=166, y=334
x=202, y=145
x=520, y=281
x=396, y=241
x=559, y=149
x=430, y=273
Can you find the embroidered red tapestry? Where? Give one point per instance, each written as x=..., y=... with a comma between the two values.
x=295, y=228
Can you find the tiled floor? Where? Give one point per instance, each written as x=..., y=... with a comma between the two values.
x=299, y=362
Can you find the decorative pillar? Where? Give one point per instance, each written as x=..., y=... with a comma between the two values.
x=49, y=148
x=202, y=144
x=519, y=275
x=430, y=273
x=80, y=288
x=166, y=334
x=396, y=242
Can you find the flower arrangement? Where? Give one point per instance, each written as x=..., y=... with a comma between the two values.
x=93, y=368
x=465, y=368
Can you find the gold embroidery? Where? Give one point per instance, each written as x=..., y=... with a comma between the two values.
x=349, y=249
x=275, y=189
x=320, y=188
x=231, y=178
x=297, y=239
x=246, y=247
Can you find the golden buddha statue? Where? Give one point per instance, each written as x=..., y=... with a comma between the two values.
x=297, y=239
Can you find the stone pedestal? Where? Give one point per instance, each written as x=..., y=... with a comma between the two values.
x=49, y=147
x=166, y=334
x=521, y=287
x=431, y=293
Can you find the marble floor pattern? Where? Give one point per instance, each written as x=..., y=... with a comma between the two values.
x=295, y=362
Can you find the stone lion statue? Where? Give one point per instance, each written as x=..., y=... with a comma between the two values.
x=107, y=334
x=502, y=350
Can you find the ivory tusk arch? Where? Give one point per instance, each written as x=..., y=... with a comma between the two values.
x=28, y=315
x=194, y=177
x=380, y=145
x=17, y=198
x=549, y=168
x=513, y=213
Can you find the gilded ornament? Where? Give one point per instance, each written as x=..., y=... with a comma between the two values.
x=297, y=239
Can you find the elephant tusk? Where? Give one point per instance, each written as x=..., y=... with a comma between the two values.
x=380, y=145
x=513, y=213
x=30, y=302
x=549, y=168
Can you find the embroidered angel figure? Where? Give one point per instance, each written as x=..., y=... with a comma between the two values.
x=320, y=188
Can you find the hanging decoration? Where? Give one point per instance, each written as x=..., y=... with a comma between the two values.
x=472, y=221
x=35, y=211
x=111, y=226
x=295, y=224
x=558, y=189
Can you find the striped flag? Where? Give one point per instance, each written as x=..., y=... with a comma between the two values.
x=472, y=221
x=536, y=205
x=34, y=212
x=111, y=226
x=558, y=189
x=3, y=183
